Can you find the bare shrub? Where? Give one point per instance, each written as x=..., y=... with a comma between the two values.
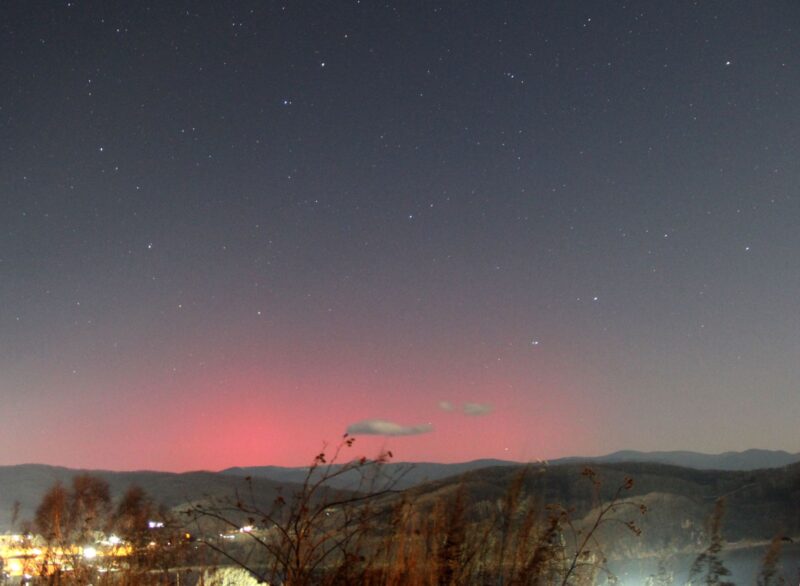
x=323, y=536
x=708, y=568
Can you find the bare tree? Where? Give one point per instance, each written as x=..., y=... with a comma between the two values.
x=326, y=537
x=51, y=515
x=708, y=566
x=770, y=567
x=302, y=533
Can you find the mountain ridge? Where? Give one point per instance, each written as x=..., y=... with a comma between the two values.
x=411, y=473
x=26, y=483
x=750, y=459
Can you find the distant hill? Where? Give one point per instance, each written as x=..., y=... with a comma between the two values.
x=400, y=475
x=26, y=484
x=760, y=504
x=746, y=460
x=408, y=474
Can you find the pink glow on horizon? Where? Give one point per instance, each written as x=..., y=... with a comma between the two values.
x=253, y=417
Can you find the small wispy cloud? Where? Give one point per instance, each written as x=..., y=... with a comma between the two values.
x=477, y=409
x=384, y=427
x=446, y=406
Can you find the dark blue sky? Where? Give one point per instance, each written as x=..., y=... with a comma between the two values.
x=268, y=221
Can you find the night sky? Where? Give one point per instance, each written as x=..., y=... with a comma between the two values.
x=230, y=231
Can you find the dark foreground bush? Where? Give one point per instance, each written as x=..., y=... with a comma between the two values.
x=372, y=535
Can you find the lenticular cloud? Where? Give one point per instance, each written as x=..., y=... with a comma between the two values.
x=477, y=409
x=383, y=427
